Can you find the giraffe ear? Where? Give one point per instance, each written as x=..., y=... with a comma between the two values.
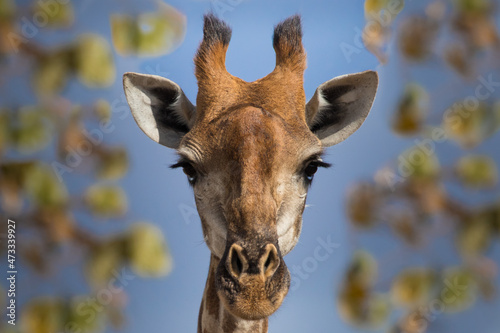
x=159, y=107
x=340, y=106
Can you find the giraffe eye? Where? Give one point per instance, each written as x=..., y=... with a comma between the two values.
x=190, y=172
x=310, y=170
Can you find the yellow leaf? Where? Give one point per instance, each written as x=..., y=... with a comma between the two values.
x=106, y=201
x=411, y=111
x=149, y=254
x=44, y=188
x=477, y=171
x=31, y=130
x=149, y=34
x=95, y=65
x=113, y=164
x=44, y=315
x=103, y=261
x=413, y=287
x=59, y=14
x=459, y=290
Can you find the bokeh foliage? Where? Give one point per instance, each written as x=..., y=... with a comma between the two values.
x=418, y=198
x=49, y=146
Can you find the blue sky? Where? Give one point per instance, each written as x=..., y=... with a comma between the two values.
x=163, y=196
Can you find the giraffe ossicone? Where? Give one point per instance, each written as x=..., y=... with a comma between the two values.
x=250, y=151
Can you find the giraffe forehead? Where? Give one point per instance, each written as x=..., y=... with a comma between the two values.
x=253, y=136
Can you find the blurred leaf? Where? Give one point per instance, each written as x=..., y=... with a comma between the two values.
x=125, y=34
x=416, y=38
x=150, y=34
x=57, y=223
x=413, y=287
x=362, y=269
x=475, y=236
x=373, y=7
x=95, y=65
x=43, y=315
x=106, y=200
x=71, y=137
x=430, y=196
x=52, y=72
x=419, y=164
x=375, y=36
x=44, y=188
x=7, y=9
x=80, y=321
x=102, y=110
x=113, y=163
x=105, y=260
x=467, y=124
x=32, y=130
x=362, y=202
x=405, y=226
x=59, y=14
x=4, y=130
x=149, y=254
x=411, y=111
x=472, y=6
x=12, y=179
x=477, y=171
x=459, y=59
x=362, y=309
x=459, y=289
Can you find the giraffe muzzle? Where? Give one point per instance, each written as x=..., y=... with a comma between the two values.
x=252, y=281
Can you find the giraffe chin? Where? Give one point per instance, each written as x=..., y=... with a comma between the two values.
x=251, y=297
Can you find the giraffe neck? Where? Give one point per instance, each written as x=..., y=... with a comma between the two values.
x=214, y=317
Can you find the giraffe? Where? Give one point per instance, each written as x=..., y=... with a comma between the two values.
x=250, y=151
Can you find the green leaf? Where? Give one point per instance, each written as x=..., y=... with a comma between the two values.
x=468, y=124
x=149, y=34
x=32, y=130
x=474, y=237
x=44, y=188
x=4, y=130
x=43, y=315
x=418, y=163
x=411, y=110
x=362, y=269
x=413, y=287
x=460, y=289
x=113, y=163
x=95, y=65
x=52, y=72
x=59, y=14
x=102, y=110
x=106, y=201
x=7, y=9
x=148, y=251
x=80, y=321
x=105, y=260
x=477, y=171
x=362, y=204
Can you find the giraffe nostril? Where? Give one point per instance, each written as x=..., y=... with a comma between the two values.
x=271, y=261
x=236, y=262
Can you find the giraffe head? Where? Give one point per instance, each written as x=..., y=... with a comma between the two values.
x=250, y=150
